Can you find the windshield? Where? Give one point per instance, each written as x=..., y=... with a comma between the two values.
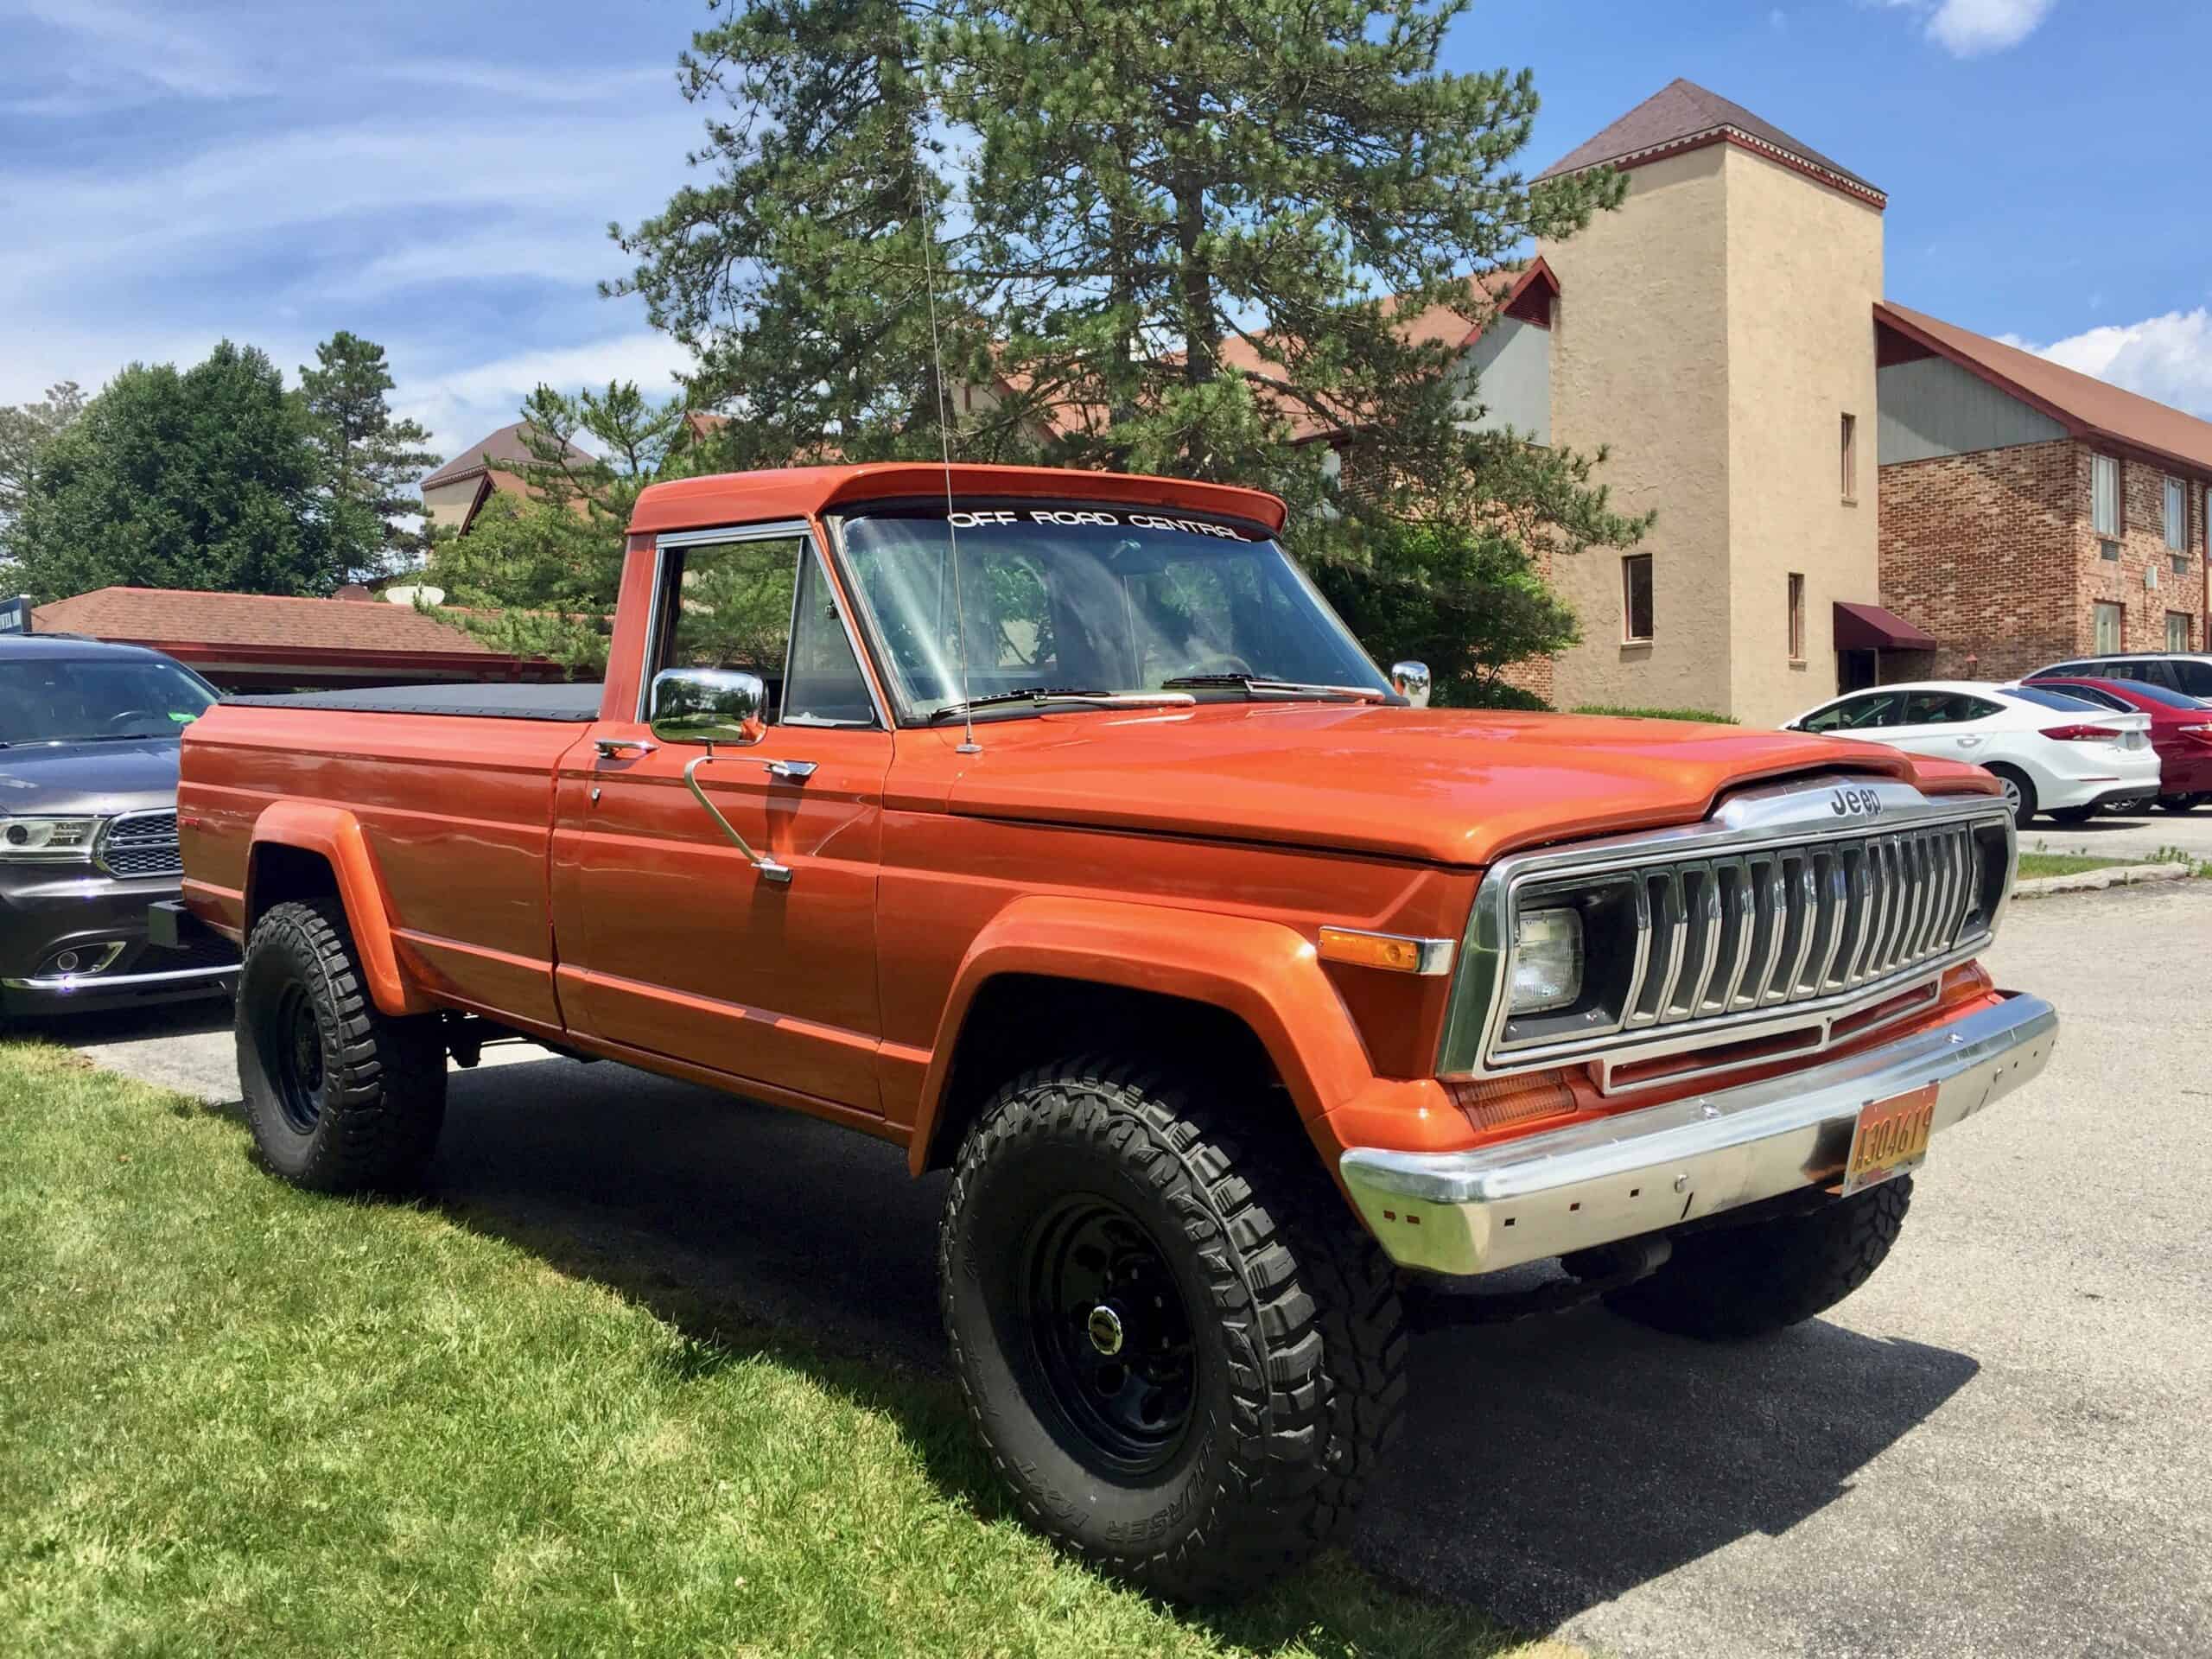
x=2154, y=692
x=1082, y=599
x=87, y=699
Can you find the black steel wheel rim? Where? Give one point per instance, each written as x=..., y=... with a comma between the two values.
x=295, y=1036
x=1110, y=1334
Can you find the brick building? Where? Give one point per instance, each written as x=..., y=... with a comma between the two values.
x=2029, y=512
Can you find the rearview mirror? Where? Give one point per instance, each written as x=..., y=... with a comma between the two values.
x=1410, y=681
x=709, y=705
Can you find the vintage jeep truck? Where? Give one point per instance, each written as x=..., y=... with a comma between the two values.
x=1052, y=826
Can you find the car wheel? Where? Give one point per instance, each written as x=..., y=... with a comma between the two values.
x=341, y=1098
x=2020, y=795
x=1184, y=1359
x=1767, y=1276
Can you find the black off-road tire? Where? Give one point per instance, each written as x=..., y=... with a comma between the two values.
x=1297, y=1357
x=1766, y=1275
x=341, y=1098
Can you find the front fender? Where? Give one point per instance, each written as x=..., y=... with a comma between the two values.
x=334, y=834
x=1265, y=974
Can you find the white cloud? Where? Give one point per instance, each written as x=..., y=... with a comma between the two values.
x=1968, y=28
x=2167, y=358
x=119, y=47
x=460, y=402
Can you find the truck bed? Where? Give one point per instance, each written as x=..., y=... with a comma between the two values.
x=576, y=703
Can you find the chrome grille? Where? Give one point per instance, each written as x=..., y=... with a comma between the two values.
x=1798, y=914
x=140, y=843
x=1789, y=924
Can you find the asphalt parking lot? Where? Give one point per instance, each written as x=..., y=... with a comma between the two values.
x=2000, y=1446
x=2134, y=835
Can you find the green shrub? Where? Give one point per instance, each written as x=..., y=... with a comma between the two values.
x=1473, y=693
x=1656, y=714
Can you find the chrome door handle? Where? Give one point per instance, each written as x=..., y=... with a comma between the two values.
x=614, y=748
x=795, y=772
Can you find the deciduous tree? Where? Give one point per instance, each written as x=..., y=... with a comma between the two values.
x=207, y=478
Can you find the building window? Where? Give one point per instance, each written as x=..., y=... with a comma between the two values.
x=1635, y=597
x=2104, y=496
x=2108, y=551
x=1851, y=457
x=2181, y=564
x=2111, y=628
x=2176, y=514
x=1798, y=616
x=2176, y=629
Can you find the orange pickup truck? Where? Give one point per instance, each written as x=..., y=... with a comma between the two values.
x=1051, y=826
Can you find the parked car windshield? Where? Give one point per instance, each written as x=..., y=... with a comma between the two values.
x=92, y=699
x=2150, y=688
x=1085, y=600
x=2058, y=700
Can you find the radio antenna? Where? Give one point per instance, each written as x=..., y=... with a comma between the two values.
x=968, y=743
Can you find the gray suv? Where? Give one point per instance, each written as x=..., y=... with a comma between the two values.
x=88, y=754
x=2187, y=672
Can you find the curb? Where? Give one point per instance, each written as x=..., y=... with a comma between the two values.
x=2120, y=875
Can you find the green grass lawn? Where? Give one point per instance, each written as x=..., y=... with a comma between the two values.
x=235, y=1419
x=2033, y=865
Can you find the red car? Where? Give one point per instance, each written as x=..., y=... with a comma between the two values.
x=2181, y=731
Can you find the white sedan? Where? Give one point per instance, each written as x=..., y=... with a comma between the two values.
x=2053, y=753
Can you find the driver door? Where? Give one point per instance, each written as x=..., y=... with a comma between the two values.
x=690, y=948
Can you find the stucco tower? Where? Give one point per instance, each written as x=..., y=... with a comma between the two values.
x=1716, y=332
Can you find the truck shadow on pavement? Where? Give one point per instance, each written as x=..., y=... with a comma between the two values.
x=1546, y=1467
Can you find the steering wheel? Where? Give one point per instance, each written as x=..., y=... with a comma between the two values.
x=1222, y=662
x=146, y=715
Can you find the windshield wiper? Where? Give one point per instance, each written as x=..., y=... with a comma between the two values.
x=1258, y=686
x=113, y=737
x=1063, y=696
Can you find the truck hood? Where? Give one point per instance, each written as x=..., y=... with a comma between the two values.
x=1446, y=786
x=66, y=780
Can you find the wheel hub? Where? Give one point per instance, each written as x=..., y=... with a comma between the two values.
x=1109, y=1334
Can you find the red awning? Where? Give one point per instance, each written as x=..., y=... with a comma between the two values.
x=1869, y=627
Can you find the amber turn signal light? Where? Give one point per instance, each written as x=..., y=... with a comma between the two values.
x=1391, y=952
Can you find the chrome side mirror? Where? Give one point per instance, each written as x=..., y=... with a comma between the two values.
x=709, y=705
x=1410, y=681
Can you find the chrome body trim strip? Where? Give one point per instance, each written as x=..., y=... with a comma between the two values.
x=1643, y=1171
x=65, y=983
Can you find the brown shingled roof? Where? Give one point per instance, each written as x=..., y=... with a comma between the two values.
x=505, y=445
x=2086, y=406
x=162, y=615
x=1681, y=112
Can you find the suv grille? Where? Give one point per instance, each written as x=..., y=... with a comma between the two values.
x=141, y=843
x=1715, y=938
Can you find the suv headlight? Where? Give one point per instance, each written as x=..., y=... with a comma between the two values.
x=1546, y=960
x=48, y=840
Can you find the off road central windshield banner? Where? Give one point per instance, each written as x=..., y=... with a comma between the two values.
x=1071, y=517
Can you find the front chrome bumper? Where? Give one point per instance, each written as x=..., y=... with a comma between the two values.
x=1643, y=1171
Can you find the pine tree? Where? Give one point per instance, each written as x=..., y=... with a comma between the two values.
x=1170, y=236
x=371, y=460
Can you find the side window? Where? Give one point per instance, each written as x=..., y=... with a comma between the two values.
x=826, y=687
x=730, y=605
x=2195, y=677
x=1934, y=709
x=1979, y=708
x=1856, y=713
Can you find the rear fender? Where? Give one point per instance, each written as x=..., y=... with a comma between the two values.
x=334, y=834
x=1262, y=973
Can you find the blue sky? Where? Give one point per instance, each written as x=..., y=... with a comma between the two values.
x=439, y=177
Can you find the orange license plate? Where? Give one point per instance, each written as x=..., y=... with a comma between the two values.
x=1891, y=1138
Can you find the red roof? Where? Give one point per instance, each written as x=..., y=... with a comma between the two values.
x=803, y=491
x=2085, y=406
x=507, y=445
x=159, y=613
